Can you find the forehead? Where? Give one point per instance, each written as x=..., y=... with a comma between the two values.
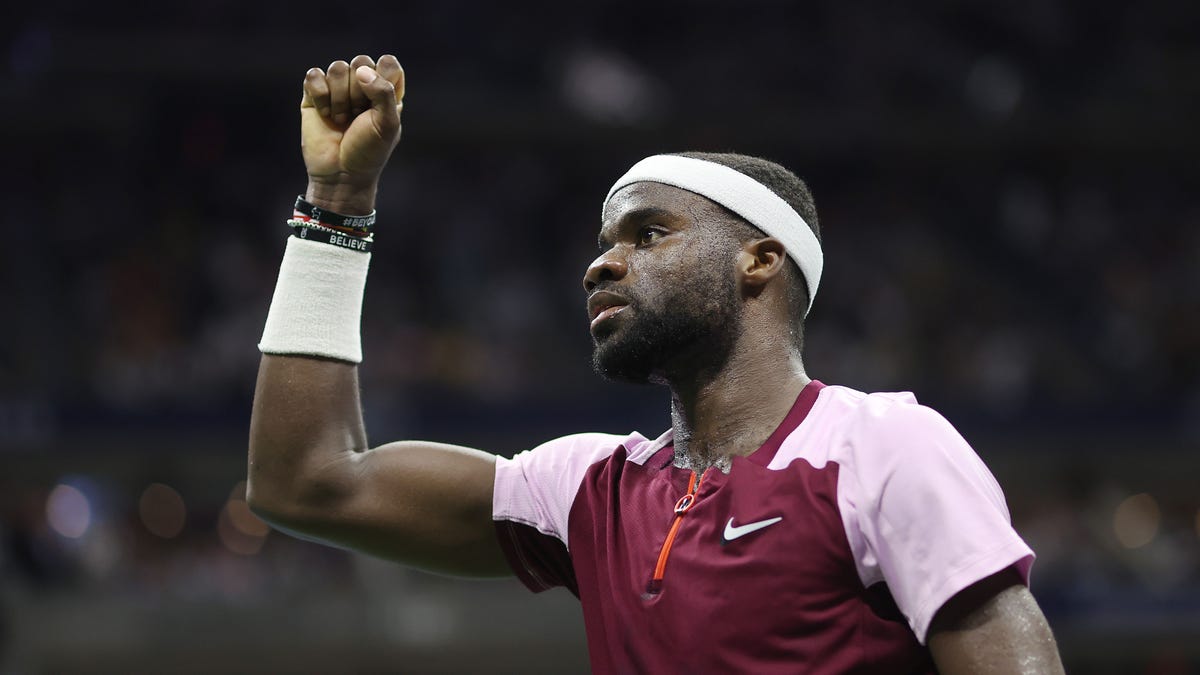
x=667, y=200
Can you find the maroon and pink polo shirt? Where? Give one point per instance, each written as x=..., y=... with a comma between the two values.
x=827, y=550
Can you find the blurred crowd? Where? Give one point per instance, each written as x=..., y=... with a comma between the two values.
x=1006, y=199
x=1006, y=195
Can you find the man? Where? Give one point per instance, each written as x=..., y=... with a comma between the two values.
x=780, y=526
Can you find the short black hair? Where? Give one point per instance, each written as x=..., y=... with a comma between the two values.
x=791, y=189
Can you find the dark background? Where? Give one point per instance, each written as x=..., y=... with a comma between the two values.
x=1007, y=194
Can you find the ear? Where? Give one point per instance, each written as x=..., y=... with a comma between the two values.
x=760, y=261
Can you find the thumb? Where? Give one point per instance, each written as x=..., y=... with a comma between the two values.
x=382, y=95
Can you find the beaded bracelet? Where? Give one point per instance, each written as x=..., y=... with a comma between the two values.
x=303, y=210
x=298, y=220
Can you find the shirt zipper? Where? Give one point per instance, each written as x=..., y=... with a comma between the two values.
x=682, y=506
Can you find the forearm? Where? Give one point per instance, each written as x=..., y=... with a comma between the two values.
x=306, y=419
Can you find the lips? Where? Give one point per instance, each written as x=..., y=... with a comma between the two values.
x=611, y=311
x=604, y=305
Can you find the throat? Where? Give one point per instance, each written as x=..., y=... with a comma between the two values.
x=730, y=438
x=685, y=460
x=732, y=415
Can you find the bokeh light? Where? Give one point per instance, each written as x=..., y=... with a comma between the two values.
x=1136, y=520
x=162, y=510
x=68, y=511
x=242, y=518
x=238, y=528
x=238, y=491
x=1012, y=227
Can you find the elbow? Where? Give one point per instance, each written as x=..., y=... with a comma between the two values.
x=266, y=481
x=280, y=510
x=297, y=502
x=272, y=492
x=282, y=514
x=266, y=501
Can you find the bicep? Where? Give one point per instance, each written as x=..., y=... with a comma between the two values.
x=993, y=626
x=930, y=519
x=428, y=505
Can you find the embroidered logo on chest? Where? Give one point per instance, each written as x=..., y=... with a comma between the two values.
x=736, y=531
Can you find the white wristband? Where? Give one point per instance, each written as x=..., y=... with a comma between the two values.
x=318, y=302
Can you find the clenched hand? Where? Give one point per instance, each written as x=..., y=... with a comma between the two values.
x=349, y=125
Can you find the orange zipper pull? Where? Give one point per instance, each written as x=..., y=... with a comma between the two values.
x=685, y=504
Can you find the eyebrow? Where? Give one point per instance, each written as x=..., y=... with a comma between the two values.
x=636, y=215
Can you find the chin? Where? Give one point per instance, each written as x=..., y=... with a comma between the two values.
x=621, y=363
x=647, y=346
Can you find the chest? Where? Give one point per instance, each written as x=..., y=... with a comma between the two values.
x=739, y=543
x=745, y=572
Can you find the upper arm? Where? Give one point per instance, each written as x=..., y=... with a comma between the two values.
x=993, y=626
x=929, y=519
x=427, y=505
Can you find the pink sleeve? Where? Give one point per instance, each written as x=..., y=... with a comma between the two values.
x=537, y=487
x=531, y=504
x=930, y=518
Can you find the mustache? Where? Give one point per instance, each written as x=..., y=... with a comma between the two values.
x=611, y=287
x=608, y=294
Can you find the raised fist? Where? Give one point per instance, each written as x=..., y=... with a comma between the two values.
x=349, y=124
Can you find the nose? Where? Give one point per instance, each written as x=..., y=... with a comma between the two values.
x=605, y=268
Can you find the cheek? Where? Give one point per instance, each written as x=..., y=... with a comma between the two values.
x=676, y=260
x=656, y=275
x=698, y=265
x=683, y=273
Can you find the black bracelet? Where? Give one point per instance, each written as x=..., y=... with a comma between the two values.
x=360, y=244
x=331, y=219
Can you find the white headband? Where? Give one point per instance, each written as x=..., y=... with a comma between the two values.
x=744, y=196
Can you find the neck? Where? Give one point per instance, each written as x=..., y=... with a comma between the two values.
x=730, y=412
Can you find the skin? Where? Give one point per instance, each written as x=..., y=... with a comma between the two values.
x=311, y=470
x=993, y=626
x=659, y=236
x=313, y=473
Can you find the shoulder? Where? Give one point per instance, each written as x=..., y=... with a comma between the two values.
x=886, y=422
x=844, y=422
x=581, y=449
x=857, y=409
x=888, y=439
x=562, y=462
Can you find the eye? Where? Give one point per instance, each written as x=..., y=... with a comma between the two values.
x=648, y=234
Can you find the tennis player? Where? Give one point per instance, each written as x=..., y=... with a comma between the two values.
x=781, y=525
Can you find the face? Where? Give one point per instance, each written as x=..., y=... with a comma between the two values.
x=662, y=295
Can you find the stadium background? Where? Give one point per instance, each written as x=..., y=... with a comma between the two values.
x=1008, y=199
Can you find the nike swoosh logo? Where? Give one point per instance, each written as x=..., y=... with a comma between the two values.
x=734, y=531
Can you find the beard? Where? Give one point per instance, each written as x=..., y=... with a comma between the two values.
x=692, y=327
